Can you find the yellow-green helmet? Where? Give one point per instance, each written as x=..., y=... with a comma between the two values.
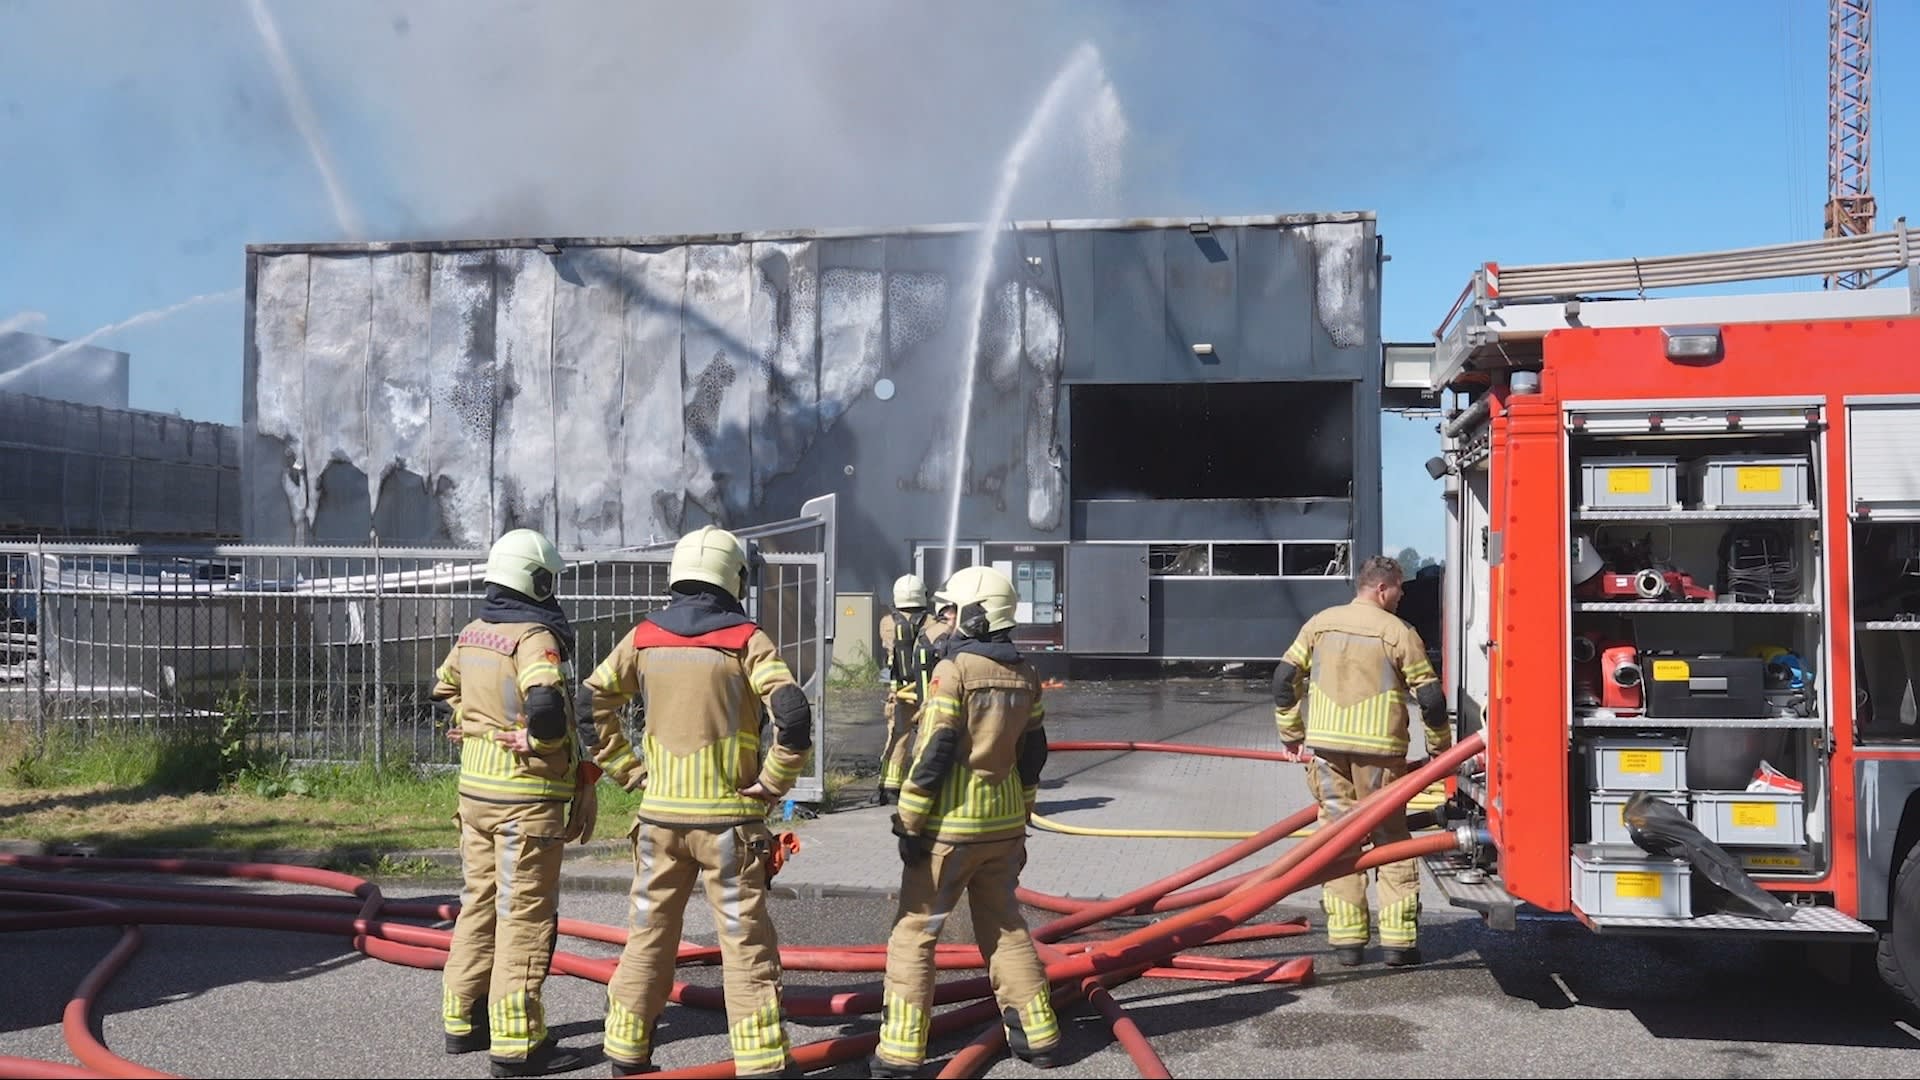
x=909, y=592
x=525, y=561
x=984, y=597
x=711, y=555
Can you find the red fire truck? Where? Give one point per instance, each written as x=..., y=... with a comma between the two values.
x=1683, y=568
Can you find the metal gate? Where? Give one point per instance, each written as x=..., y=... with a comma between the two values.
x=328, y=654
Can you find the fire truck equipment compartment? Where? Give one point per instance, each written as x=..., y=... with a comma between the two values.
x=1750, y=482
x=1636, y=765
x=1661, y=831
x=1631, y=883
x=1775, y=819
x=1629, y=483
x=1704, y=686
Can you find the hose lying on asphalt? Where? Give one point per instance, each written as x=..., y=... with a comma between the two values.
x=1085, y=970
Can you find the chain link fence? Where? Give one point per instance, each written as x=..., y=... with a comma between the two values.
x=328, y=654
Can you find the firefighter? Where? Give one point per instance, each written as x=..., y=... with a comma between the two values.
x=900, y=640
x=928, y=647
x=703, y=673
x=1360, y=663
x=505, y=682
x=961, y=828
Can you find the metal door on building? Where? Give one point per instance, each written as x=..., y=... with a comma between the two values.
x=1107, y=587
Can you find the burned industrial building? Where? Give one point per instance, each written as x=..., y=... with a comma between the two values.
x=1173, y=446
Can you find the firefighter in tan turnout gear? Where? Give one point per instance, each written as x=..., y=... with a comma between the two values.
x=505, y=681
x=703, y=674
x=900, y=646
x=1360, y=663
x=962, y=829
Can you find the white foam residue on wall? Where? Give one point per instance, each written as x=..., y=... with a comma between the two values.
x=852, y=305
x=280, y=332
x=461, y=381
x=1046, y=484
x=399, y=404
x=1338, y=281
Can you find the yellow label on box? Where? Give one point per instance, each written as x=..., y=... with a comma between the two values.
x=1635, y=885
x=1755, y=815
x=1640, y=761
x=1757, y=478
x=1671, y=671
x=1630, y=481
x=1774, y=860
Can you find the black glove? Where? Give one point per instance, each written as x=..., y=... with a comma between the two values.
x=913, y=849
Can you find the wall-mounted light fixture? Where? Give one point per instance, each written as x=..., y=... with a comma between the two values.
x=548, y=248
x=1203, y=349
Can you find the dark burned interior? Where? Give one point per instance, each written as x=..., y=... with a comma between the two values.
x=1235, y=440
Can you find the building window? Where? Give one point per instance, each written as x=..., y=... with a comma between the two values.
x=1234, y=559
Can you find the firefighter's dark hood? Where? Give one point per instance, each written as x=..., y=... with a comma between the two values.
x=505, y=605
x=699, y=609
x=996, y=647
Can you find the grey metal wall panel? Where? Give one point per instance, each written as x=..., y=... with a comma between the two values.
x=279, y=328
x=1345, y=296
x=1126, y=341
x=34, y=365
x=1242, y=619
x=1213, y=519
x=654, y=434
x=784, y=382
x=339, y=307
x=589, y=364
x=399, y=397
x=1107, y=599
x=1203, y=304
x=460, y=382
x=526, y=335
x=718, y=350
x=1274, y=274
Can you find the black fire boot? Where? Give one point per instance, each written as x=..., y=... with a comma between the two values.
x=1350, y=955
x=1017, y=1042
x=1407, y=957
x=616, y=1067
x=545, y=1058
x=878, y=1066
x=475, y=1040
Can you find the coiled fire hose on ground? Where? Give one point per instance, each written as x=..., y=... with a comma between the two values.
x=1079, y=970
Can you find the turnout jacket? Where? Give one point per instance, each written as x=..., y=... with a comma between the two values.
x=1360, y=663
x=982, y=746
x=497, y=677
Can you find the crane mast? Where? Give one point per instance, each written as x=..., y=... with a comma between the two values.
x=1850, y=206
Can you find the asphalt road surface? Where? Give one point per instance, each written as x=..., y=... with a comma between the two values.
x=1546, y=1000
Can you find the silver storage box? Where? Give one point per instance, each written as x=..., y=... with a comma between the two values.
x=1636, y=765
x=1631, y=883
x=1750, y=483
x=1630, y=483
x=1606, y=815
x=1775, y=819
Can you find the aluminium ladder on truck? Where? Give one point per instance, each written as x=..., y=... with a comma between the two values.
x=1503, y=312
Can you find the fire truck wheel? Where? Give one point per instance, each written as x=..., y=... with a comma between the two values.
x=1899, y=950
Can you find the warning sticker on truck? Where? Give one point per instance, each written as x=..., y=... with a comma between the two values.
x=1671, y=671
x=1640, y=761
x=1629, y=481
x=1757, y=478
x=1755, y=815
x=1637, y=886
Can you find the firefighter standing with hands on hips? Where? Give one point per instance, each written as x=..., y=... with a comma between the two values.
x=1360, y=663
x=703, y=674
x=900, y=643
x=962, y=829
x=506, y=684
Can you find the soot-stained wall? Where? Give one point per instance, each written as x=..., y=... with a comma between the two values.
x=618, y=392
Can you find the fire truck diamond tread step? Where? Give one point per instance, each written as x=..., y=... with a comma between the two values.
x=1821, y=921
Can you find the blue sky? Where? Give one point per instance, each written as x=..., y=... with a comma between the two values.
x=147, y=144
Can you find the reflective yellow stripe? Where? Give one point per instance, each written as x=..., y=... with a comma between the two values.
x=903, y=1032
x=538, y=675
x=769, y=674
x=1400, y=921
x=487, y=768
x=759, y=1041
x=781, y=772
x=912, y=802
x=448, y=674
x=1038, y=712
x=944, y=706
x=625, y=1037
x=1346, y=922
x=1038, y=1022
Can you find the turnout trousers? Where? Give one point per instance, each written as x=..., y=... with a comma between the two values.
x=986, y=874
x=897, y=757
x=509, y=918
x=1339, y=780
x=735, y=860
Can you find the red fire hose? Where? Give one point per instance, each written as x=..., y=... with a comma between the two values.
x=1081, y=970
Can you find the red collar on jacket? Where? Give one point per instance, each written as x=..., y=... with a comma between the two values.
x=650, y=635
